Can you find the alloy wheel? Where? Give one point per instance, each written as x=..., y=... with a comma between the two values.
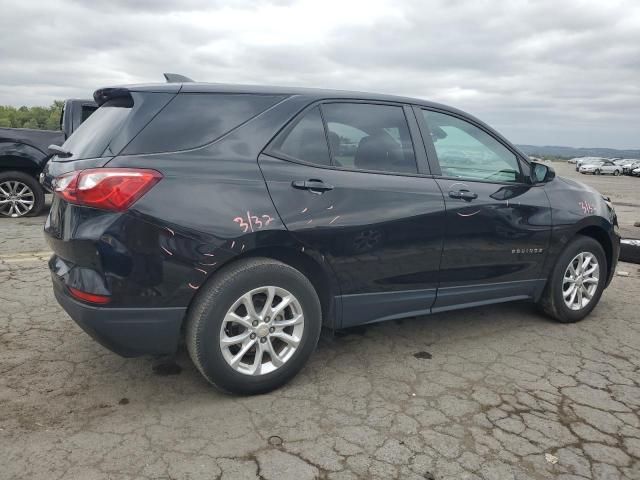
x=262, y=330
x=16, y=198
x=580, y=281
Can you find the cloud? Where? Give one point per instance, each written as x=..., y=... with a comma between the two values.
x=543, y=72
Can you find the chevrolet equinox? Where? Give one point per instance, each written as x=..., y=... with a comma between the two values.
x=243, y=219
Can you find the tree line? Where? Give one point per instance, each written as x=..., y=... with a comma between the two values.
x=43, y=118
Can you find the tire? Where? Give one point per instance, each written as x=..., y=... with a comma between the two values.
x=597, y=172
x=14, y=183
x=552, y=300
x=208, y=319
x=616, y=172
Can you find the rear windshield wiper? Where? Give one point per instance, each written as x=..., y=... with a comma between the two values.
x=59, y=151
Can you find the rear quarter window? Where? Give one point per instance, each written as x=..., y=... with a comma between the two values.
x=192, y=120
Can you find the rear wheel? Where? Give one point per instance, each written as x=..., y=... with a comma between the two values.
x=616, y=172
x=254, y=326
x=20, y=195
x=597, y=172
x=576, y=282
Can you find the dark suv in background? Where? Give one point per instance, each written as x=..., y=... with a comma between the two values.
x=244, y=218
x=23, y=154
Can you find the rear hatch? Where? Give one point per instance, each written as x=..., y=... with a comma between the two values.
x=123, y=113
x=82, y=238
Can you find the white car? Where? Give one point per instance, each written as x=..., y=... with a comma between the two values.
x=602, y=166
x=586, y=161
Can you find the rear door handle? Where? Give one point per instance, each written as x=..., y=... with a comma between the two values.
x=463, y=195
x=313, y=185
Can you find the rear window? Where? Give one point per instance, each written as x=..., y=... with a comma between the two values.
x=93, y=136
x=112, y=126
x=191, y=120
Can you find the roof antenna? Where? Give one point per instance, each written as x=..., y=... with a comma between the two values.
x=176, y=78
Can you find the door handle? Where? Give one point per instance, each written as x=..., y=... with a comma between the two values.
x=313, y=185
x=463, y=195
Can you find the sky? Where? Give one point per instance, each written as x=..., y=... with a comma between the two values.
x=543, y=72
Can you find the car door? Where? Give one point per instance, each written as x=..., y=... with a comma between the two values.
x=498, y=225
x=608, y=168
x=348, y=183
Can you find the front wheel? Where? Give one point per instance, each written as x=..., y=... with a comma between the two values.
x=20, y=195
x=616, y=172
x=254, y=326
x=576, y=282
x=597, y=172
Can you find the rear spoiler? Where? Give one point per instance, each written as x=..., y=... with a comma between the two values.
x=123, y=94
x=118, y=93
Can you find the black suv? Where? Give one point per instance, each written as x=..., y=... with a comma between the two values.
x=243, y=219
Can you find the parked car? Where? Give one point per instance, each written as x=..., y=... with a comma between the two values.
x=623, y=161
x=23, y=154
x=601, y=167
x=630, y=167
x=231, y=215
x=636, y=171
x=586, y=161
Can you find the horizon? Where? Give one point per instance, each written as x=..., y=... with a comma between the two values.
x=577, y=148
x=518, y=144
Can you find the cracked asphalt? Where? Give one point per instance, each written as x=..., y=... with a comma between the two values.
x=497, y=392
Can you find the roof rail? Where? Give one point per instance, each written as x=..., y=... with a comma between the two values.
x=176, y=78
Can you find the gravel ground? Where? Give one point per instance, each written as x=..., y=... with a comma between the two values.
x=494, y=393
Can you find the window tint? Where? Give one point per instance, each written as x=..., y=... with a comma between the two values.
x=466, y=151
x=369, y=137
x=305, y=141
x=86, y=112
x=191, y=120
x=92, y=137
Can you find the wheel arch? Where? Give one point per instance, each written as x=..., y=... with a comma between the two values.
x=308, y=262
x=21, y=157
x=600, y=235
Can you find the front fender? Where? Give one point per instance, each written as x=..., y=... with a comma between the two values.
x=580, y=209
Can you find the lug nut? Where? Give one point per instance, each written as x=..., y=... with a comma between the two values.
x=272, y=329
x=252, y=336
x=267, y=319
x=263, y=339
x=254, y=323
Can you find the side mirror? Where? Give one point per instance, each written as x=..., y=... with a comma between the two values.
x=541, y=173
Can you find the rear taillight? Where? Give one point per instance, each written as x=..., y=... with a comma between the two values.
x=113, y=189
x=89, y=297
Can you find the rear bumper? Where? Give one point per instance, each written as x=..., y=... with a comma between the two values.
x=129, y=332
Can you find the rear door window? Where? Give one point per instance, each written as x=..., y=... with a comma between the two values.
x=369, y=137
x=305, y=141
x=192, y=120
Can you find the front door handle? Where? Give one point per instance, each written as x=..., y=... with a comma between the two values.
x=313, y=185
x=463, y=195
